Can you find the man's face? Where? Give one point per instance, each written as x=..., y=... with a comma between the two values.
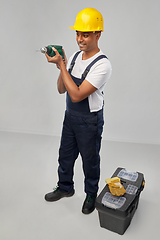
x=87, y=41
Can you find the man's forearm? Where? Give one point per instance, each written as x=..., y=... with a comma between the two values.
x=60, y=84
x=69, y=84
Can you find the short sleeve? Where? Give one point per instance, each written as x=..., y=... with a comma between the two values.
x=99, y=73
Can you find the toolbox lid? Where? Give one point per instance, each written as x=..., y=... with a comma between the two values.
x=131, y=189
x=131, y=176
x=132, y=194
x=111, y=201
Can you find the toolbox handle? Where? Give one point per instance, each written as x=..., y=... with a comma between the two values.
x=141, y=188
x=132, y=208
x=123, y=182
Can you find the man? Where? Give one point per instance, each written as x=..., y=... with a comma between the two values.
x=84, y=82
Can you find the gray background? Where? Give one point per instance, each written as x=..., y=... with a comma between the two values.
x=31, y=115
x=29, y=101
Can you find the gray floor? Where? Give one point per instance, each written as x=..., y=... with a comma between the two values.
x=29, y=170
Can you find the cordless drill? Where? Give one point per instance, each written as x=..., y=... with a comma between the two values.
x=50, y=51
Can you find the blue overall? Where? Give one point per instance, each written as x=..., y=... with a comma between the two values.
x=81, y=133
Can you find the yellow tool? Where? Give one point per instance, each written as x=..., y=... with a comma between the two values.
x=115, y=186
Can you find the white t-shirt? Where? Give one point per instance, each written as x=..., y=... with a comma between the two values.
x=98, y=76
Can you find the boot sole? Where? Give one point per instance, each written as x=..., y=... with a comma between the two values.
x=86, y=211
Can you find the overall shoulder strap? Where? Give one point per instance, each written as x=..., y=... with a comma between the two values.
x=91, y=64
x=73, y=61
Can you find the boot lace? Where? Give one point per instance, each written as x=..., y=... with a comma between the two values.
x=90, y=198
x=55, y=189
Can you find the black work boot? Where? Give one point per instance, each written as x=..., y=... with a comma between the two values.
x=58, y=194
x=89, y=204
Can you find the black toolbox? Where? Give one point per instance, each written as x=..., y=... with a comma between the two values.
x=115, y=213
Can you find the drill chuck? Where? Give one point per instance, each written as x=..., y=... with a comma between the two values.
x=43, y=50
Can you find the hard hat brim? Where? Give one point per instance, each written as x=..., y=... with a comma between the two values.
x=72, y=27
x=83, y=30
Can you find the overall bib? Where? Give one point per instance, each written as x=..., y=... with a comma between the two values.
x=81, y=133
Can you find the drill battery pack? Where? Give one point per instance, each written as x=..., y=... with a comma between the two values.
x=116, y=212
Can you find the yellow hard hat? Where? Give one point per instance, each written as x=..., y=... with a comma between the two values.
x=88, y=20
